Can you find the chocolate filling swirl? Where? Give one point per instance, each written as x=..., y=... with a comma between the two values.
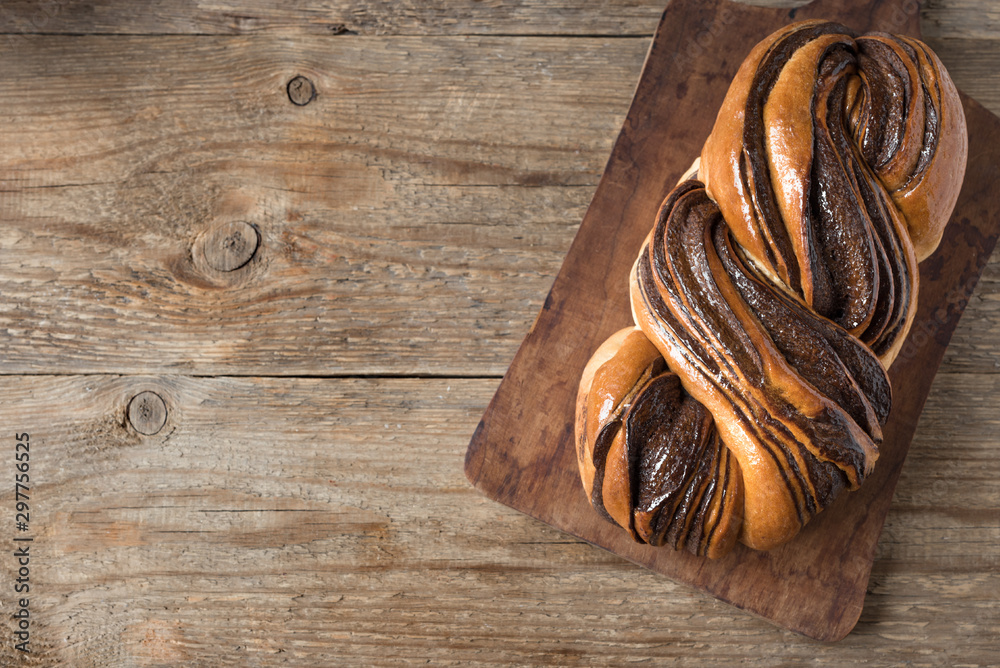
x=772, y=294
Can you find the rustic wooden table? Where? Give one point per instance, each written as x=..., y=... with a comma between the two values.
x=263, y=265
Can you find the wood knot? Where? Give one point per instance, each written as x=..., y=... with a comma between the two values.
x=147, y=413
x=230, y=246
x=301, y=91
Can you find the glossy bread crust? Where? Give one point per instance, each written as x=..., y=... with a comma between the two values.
x=772, y=294
x=650, y=457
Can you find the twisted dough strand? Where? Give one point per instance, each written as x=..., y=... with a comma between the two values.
x=771, y=298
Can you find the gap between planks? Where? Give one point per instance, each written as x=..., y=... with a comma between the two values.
x=306, y=376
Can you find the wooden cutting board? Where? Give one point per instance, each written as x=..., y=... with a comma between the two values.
x=522, y=452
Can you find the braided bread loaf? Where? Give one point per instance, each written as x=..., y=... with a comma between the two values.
x=772, y=294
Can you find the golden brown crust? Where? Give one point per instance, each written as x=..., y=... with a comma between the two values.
x=927, y=198
x=775, y=415
x=823, y=130
x=776, y=290
x=633, y=424
x=628, y=361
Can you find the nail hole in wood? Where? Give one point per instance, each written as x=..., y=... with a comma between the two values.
x=301, y=91
x=231, y=245
x=147, y=413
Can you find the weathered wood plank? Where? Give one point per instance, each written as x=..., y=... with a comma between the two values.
x=975, y=345
x=323, y=520
x=941, y=18
x=387, y=202
x=406, y=227
x=960, y=19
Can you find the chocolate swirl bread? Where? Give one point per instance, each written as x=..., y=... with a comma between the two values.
x=776, y=287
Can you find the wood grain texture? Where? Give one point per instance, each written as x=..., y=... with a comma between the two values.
x=380, y=207
x=124, y=154
x=440, y=176
x=942, y=18
x=282, y=527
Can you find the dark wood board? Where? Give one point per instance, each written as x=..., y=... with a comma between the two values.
x=522, y=455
